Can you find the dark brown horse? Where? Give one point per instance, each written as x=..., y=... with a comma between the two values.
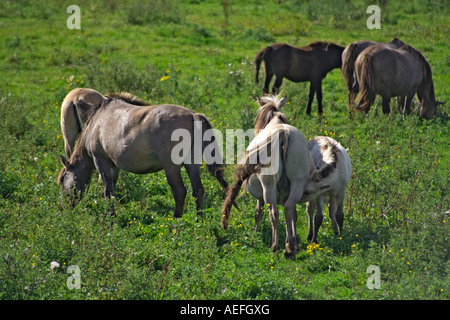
x=310, y=63
x=395, y=72
x=349, y=56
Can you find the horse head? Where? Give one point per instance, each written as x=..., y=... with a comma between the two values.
x=269, y=109
x=74, y=178
x=429, y=109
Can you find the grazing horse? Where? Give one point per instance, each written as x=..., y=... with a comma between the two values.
x=281, y=179
x=331, y=179
x=395, y=72
x=138, y=139
x=349, y=56
x=75, y=108
x=310, y=63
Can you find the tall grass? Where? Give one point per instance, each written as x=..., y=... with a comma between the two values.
x=396, y=206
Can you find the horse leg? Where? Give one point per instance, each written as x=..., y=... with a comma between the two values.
x=270, y=197
x=277, y=84
x=401, y=103
x=310, y=208
x=290, y=212
x=318, y=218
x=407, y=105
x=173, y=176
x=267, y=79
x=193, y=171
x=319, y=96
x=259, y=212
x=109, y=173
x=386, y=108
x=332, y=208
x=312, y=90
x=340, y=210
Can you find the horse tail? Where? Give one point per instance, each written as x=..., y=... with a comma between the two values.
x=243, y=173
x=260, y=56
x=348, y=66
x=366, y=82
x=215, y=168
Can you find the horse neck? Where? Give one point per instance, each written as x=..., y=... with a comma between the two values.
x=429, y=105
x=429, y=98
x=275, y=118
x=335, y=53
x=426, y=88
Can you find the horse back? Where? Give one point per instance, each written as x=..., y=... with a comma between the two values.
x=291, y=62
x=397, y=71
x=137, y=139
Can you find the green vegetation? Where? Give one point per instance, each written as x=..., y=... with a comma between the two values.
x=199, y=54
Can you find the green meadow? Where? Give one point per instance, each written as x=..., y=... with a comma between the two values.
x=199, y=54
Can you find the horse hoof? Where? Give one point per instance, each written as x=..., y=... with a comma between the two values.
x=289, y=254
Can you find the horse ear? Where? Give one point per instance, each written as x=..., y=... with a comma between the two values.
x=258, y=99
x=64, y=161
x=282, y=102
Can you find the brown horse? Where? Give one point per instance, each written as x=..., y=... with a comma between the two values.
x=349, y=56
x=76, y=106
x=310, y=63
x=395, y=72
x=139, y=139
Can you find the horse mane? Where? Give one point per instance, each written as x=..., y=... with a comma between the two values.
x=425, y=65
x=270, y=106
x=329, y=150
x=397, y=41
x=319, y=44
x=415, y=53
x=322, y=44
x=128, y=98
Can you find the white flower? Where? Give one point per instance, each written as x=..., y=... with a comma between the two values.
x=54, y=265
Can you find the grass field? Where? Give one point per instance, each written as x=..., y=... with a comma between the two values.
x=199, y=54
